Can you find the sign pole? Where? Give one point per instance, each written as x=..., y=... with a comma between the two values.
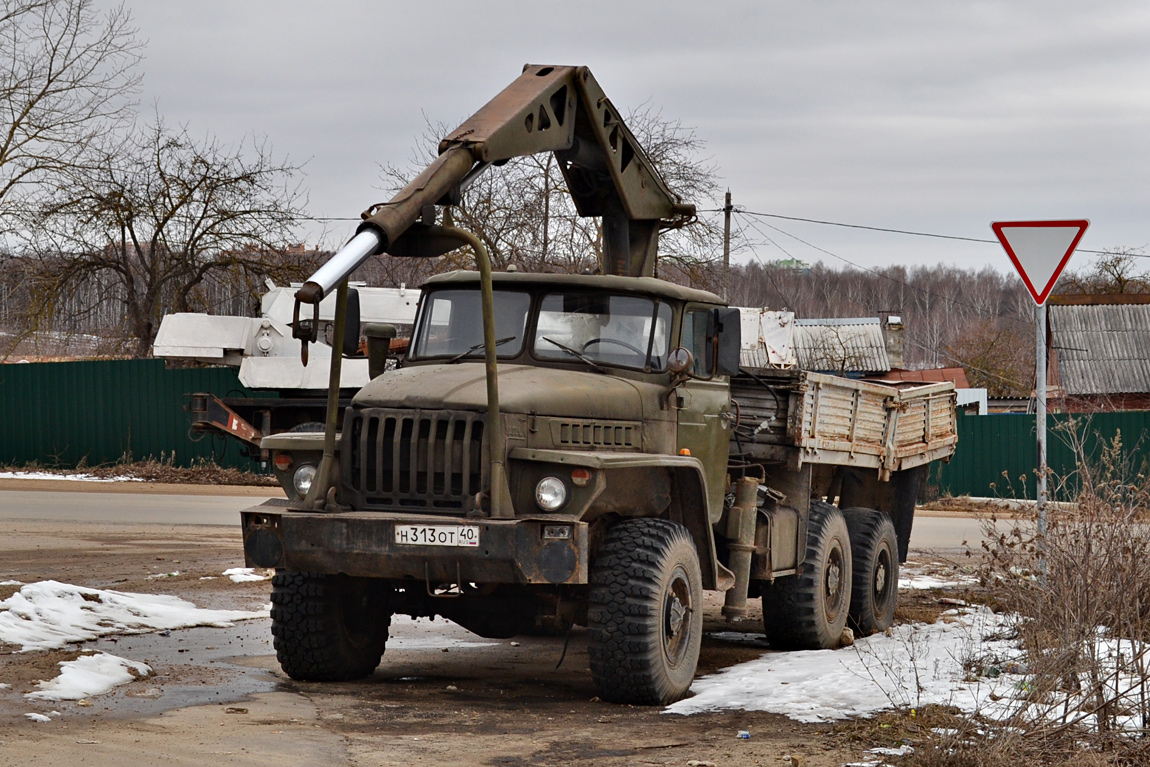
x=1040, y=413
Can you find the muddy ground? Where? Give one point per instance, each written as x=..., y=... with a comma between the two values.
x=441, y=696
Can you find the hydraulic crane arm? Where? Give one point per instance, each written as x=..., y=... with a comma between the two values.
x=546, y=109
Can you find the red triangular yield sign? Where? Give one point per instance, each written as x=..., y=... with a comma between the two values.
x=1039, y=250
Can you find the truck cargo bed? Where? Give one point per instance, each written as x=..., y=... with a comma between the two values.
x=797, y=417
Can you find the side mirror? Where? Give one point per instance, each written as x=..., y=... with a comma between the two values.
x=378, y=347
x=727, y=330
x=680, y=360
x=351, y=324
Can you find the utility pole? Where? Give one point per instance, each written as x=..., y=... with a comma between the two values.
x=727, y=247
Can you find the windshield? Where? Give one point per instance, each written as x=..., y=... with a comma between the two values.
x=451, y=324
x=626, y=331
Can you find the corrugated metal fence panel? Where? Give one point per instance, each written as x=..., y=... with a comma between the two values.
x=62, y=413
x=997, y=454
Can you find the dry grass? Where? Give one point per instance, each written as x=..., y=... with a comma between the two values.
x=1082, y=597
x=201, y=472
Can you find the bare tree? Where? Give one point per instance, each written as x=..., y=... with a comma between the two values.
x=156, y=217
x=995, y=356
x=1116, y=271
x=524, y=213
x=67, y=74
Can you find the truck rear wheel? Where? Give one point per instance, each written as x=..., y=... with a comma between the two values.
x=328, y=628
x=809, y=611
x=646, y=612
x=874, y=549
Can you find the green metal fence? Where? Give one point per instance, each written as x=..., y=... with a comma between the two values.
x=997, y=454
x=64, y=413
x=99, y=412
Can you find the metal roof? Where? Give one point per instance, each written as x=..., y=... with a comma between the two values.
x=841, y=321
x=841, y=345
x=1102, y=349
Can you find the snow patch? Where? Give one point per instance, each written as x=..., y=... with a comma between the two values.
x=409, y=633
x=245, y=574
x=927, y=582
x=903, y=750
x=933, y=575
x=89, y=675
x=914, y=666
x=11, y=583
x=65, y=477
x=50, y=615
x=38, y=717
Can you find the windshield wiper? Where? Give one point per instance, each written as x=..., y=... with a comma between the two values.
x=479, y=346
x=593, y=365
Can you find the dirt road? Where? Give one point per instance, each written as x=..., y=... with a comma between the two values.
x=441, y=696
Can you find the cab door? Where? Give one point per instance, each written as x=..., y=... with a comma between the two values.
x=702, y=403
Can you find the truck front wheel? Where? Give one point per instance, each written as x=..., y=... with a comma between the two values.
x=874, y=548
x=646, y=612
x=809, y=611
x=328, y=628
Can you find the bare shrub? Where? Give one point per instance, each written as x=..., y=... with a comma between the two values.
x=1082, y=597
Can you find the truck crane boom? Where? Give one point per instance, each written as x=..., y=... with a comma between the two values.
x=558, y=109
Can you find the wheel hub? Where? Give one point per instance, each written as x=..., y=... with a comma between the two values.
x=675, y=614
x=676, y=617
x=833, y=583
x=834, y=574
x=880, y=577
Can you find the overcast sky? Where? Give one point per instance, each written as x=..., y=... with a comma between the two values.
x=931, y=116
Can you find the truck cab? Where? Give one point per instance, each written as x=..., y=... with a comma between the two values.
x=583, y=369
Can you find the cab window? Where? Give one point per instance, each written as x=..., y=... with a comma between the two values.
x=697, y=341
x=451, y=324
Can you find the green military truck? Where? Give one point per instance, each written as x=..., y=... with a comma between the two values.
x=563, y=450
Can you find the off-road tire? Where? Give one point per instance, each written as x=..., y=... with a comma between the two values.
x=874, y=587
x=328, y=628
x=646, y=612
x=808, y=611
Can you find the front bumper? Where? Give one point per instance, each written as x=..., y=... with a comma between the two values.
x=362, y=543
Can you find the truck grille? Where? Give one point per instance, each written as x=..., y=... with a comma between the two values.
x=412, y=459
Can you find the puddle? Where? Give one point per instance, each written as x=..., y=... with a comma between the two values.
x=222, y=666
x=190, y=667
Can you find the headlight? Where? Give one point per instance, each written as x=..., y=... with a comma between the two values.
x=550, y=493
x=302, y=478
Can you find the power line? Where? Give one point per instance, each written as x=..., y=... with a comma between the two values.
x=868, y=228
x=877, y=273
x=895, y=231
x=940, y=351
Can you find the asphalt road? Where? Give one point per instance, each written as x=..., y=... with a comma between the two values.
x=102, y=507
x=99, y=504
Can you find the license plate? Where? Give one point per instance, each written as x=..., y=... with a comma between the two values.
x=466, y=536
